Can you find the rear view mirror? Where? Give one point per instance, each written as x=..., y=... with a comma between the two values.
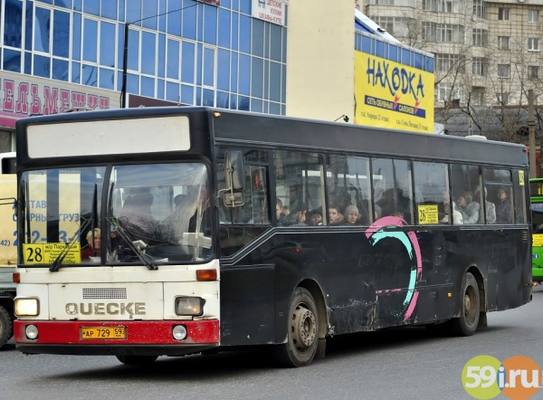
x=232, y=195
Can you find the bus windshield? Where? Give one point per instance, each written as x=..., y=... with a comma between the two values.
x=155, y=214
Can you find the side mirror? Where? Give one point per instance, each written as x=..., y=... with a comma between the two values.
x=232, y=195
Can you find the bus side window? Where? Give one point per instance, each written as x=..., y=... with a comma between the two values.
x=392, y=189
x=467, y=196
x=432, y=193
x=499, y=191
x=349, y=189
x=519, y=179
x=299, y=189
x=254, y=209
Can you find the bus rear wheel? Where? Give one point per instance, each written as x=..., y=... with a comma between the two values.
x=467, y=323
x=303, y=331
x=136, y=361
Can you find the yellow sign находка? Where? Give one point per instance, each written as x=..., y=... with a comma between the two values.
x=392, y=95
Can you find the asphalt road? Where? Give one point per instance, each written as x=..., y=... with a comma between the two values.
x=398, y=364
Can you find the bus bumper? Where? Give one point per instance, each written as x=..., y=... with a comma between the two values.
x=142, y=337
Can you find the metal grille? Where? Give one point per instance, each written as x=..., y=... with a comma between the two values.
x=104, y=293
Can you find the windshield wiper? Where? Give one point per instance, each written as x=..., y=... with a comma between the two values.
x=55, y=266
x=124, y=235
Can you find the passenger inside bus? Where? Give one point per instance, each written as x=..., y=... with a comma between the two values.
x=336, y=218
x=468, y=208
x=504, y=213
x=352, y=215
x=490, y=209
x=91, y=252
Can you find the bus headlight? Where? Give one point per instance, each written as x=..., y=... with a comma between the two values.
x=27, y=307
x=189, y=306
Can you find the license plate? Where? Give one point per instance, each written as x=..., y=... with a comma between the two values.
x=103, y=332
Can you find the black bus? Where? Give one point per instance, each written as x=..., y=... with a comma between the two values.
x=169, y=231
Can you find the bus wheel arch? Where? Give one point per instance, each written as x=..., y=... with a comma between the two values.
x=324, y=316
x=474, y=270
x=471, y=302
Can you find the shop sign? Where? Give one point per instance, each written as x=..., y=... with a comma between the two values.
x=273, y=11
x=22, y=96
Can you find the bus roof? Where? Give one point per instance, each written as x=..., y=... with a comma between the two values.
x=273, y=131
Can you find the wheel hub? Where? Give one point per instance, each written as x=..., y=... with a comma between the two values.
x=304, y=327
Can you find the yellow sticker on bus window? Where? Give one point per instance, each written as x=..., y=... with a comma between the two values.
x=537, y=239
x=521, y=177
x=47, y=253
x=428, y=214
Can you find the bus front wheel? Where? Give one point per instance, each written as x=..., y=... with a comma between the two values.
x=467, y=323
x=136, y=361
x=6, y=326
x=303, y=331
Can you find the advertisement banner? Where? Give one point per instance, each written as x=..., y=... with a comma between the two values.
x=8, y=227
x=273, y=11
x=23, y=96
x=392, y=95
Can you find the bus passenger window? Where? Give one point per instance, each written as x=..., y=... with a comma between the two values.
x=466, y=195
x=519, y=178
x=499, y=191
x=254, y=196
x=349, y=190
x=299, y=189
x=432, y=193
x=392, y=189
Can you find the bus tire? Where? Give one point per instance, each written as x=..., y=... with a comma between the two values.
x=136, y=361
x=470, y=312
x=303, y=331
x=6, y=327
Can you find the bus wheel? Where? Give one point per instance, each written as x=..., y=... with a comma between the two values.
x=468, y=322
x=6, y=326
x=137, y=361
x=303, y=331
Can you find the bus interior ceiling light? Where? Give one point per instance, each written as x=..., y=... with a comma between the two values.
x=189, y=306
x=26, y=307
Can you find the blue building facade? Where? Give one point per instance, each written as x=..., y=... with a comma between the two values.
x=184, y=51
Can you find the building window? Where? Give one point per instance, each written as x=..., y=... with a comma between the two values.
x=443, y=33
x=480, y=37
x=503, y=98
x=504, y=71
x=383, y=2
x=387, y=23
x=533, y=72
x=503, y=42
x=479, y=66
x=478, y=96
x=533, y=16
x=448, y=93
x=479, y=8
x=447, y=62
x=503, y=14
x=533, y=44
x=443, y=6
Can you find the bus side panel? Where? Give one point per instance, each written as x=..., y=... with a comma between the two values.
x=365, y=284
x=247, y=304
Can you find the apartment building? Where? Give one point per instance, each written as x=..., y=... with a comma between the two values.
x=486, y=52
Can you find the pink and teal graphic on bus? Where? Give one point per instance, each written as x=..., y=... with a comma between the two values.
x=377, y=232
